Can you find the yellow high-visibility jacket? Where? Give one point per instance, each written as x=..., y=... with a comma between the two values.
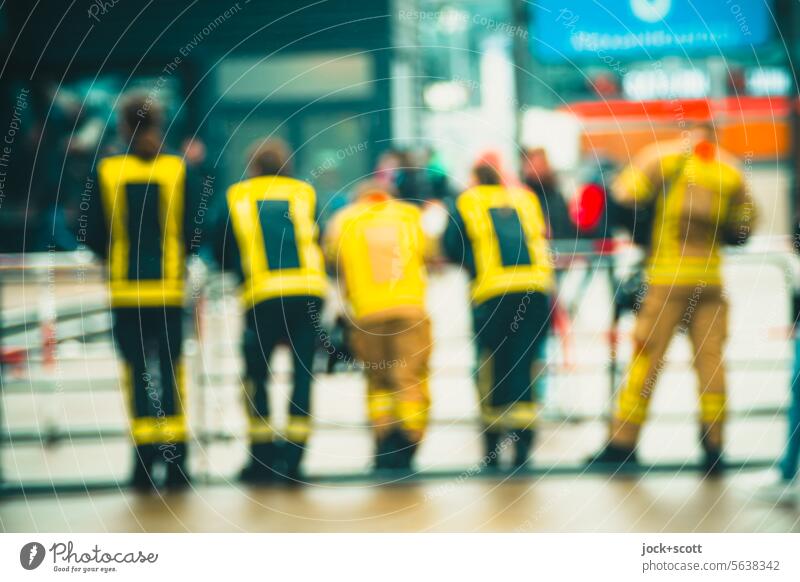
x=499, y=235
x=378, y=248
x=139, y=226
x=700, y=201
x=275, y=244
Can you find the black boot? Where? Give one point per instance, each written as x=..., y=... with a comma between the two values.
x=143, y=461
x=492, y=449
x=262, y=467
x=383, y=452
x=713, y=462
x=523, y=441
x=293, y=456
x=175, y=458
x=394, y=452
x=614, y=458
x=404, y=452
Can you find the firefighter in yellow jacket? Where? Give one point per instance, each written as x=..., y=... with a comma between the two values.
x=378, y=248
x=700, y=203
x=140, y=224
x=498, y=234
x=268, y=235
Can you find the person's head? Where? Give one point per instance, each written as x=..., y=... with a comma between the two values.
x=488, y=170
x=194, y=151
x=487, y=175
x=406, y=160
x=703, y=139
x=702, y=131
x=386, y=168
x=374, y=189
x=271, y=157
x=140, y=125
x=535, y=164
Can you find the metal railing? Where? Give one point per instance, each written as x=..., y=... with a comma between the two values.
x=34, y=325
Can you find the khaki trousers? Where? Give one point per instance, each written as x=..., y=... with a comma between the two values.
x=702, y=312
x=394, y=353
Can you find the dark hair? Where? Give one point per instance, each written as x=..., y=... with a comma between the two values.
x=141, y=119
x=487, y=175
x=533, y=152
x=405, y=159
x=271, y=157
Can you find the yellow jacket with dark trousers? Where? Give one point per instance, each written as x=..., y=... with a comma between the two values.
x=499, y=235
x=272, y=239
x=379, y=249
x=700, y=202
x=138, y=225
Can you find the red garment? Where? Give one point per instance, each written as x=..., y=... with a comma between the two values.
x=587, y=208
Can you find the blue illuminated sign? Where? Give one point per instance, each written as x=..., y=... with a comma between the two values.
x=642, y=29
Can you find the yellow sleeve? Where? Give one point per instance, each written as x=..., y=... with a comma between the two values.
x=632, y=186
x=639, y=182
x=331, y=239
x=741, y=213
x=428, y=243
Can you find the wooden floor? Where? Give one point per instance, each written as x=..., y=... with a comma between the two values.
x=661, y=503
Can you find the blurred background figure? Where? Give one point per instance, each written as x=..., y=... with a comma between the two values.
x=141, y=210
x=194, y=152
x=785, y=488
x=440, y=187
x=378, y=250
x=539, y=177
x=411, y=179
x=386, y=168
x=698, y=199
x=498, y=233
x=791, y=456
x=60, y=140
x=269, y=237
x=594, y=214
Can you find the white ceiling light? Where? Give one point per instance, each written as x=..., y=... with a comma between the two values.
x=445, y=96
